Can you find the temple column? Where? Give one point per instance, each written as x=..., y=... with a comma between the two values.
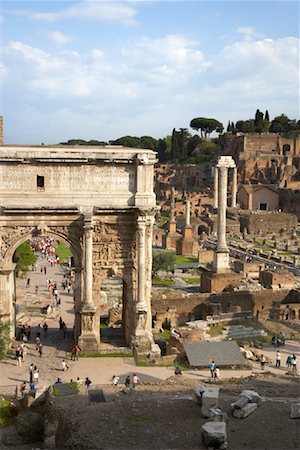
x=222, y=197
x=141, y=305
x=188, y=212
x=234, y=188
x=215, y=204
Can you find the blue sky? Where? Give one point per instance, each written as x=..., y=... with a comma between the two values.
x=102, y=70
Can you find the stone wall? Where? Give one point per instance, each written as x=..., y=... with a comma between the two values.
x=262, y=223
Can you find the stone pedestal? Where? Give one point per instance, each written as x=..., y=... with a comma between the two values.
x=89, y=340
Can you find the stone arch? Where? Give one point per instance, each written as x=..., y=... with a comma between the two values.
x=11, y=238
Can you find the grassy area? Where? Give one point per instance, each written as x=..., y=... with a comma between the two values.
x=63, y=252
x=74, y=385
x=166, y=334
x=186, y=259
x=156, y=281
x=192, y=280
x=216, y=330
x=5, y=419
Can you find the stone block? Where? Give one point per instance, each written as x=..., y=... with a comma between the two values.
x=244, y=412
x=217, y=415
x=210, y=399
x=199, y=391
x=214, y=435
x=240, y=403
x=252, y=396
x=295, y=411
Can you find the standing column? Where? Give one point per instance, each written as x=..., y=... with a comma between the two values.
x=234, y=188
x=141, y=305
x=187, y=212
x=88, y=262
x=222, y=197
x=215, y=204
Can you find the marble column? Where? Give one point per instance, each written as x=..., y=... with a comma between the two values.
x=222, y=199
x=215, y=204
x=141, y=223
x=234, y=188
x=88, y=262
x=188, y=212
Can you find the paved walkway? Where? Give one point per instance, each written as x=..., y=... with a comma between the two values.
x=99, y=370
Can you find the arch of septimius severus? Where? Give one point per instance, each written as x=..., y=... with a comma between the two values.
x=100, y=201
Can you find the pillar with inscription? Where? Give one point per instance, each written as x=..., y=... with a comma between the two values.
x=89, y=339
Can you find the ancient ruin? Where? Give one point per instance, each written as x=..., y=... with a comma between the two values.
x=101, y=203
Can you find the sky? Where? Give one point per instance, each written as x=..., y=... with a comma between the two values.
x=106, y=69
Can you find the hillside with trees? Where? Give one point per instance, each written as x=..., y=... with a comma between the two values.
x=183, y=147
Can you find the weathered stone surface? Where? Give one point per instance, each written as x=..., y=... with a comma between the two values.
x=199, y=391
x=244, y=412
x=252, y=396
x=295, y=411
x=10, y=437
x=210, y=399
x=240, y=403
x=214, y=434
x=30, y=426
x=217, y=415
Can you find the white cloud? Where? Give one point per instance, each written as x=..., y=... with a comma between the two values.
x=99, y=11
x=59, y=38
x=248, y=32
x=150, y=86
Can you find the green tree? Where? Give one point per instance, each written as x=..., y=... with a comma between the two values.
x=127, y=141
x=163, y=260
x=245, y=126
x=4, y=337
x=149, y=142
x=162, y=150
x=282, y=124
x=175, y=145
x=206, y=126
x=24, y=257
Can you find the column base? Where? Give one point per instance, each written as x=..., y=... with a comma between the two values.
x=145, y=345
x=221, y=261
x=89, y=343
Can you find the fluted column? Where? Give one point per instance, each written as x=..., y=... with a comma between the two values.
x=88, y=262
x=234, y=188
x=141, y=263
x=215, y=204
x=222, y=197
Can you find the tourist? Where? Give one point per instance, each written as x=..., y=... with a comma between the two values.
x=75, y=352
x=45, y=326
x=115, y=380
x=79, y=381
x=32, y=389
x=58, y=381
x=283, y=338
x=37, y=343
x=216, y=374
x=127, y=382
x=177, y=371
x=60, y=323
x=212, y=367
x=294, y=364
x=36, y=374
x=23, y=349
x=31, y=367
x=28, y=282
x=18, y=357
x=88, y=383
x=23, y=389
x=64, y=330
x=28, y=332
x=135, y=380
x=289, y=361
x=40, y=349
x=64, y=365
x=262, y=362
x=278, y=359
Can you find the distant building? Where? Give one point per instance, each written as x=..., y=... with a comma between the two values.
x=258, y=197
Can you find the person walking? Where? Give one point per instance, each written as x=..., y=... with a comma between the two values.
x=31, y=368
x=278, y=359
x=88, y=383
x=40, y=349
x=36, y=375
x=135, y=380
x=18, y=357
x=212, y=367
x=294, y=364
x=289, y=361
x=127, y=382
x=115, y=380
x=64, y=365
x=45, y=327
x=262, y=362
